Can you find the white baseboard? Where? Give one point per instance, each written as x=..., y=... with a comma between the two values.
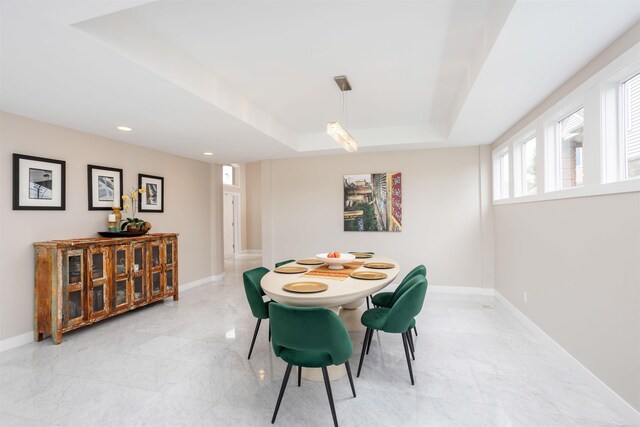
x=469, y=290
x=27, y=337
x=200, y=282
x=613, y=399
x=251, y=252
x=16, y=341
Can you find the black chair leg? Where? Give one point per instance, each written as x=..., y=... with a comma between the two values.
x=406, y=353
x=299, y=375
x=368, y=303
x=411, y=347
x=415, y=330
x=255, y=334
x=370, y=339
x=364, y=350
x=327, y=384
x=353, y=389
x=282, y=388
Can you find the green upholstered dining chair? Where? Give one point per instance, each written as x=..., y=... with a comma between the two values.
x=386, y=299
x=399, y=319
x=278, y=264
x=259, y=307
x=310, y=337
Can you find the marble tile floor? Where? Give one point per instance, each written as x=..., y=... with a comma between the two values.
x=185, y=364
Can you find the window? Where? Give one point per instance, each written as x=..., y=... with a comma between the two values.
x=631, y=127
x=501, y=175
x=525, y=168
x=569, y=139
x=228, y=175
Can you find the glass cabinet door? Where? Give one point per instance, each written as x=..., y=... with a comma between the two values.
x=120, y=292
x=73, y=281
x=156, y=286
x=99, y=260
x=169, y=276
x=139, y=277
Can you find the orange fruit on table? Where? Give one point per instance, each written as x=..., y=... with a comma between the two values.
x=337, y=254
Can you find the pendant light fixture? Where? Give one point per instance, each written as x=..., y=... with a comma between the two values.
x=334, y=129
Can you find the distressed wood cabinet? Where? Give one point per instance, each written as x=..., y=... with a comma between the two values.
x=82, y=281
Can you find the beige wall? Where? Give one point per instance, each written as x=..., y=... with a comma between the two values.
x=253, y=206
x=188, y=204
x=579, y=262
x=442, y=227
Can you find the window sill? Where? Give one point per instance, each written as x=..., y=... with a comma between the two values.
x=627, y=186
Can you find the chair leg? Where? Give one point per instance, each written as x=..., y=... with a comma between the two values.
x=406, y=353
x=370, y=339
x=255, y=334
x=299, y=375
x=368, y=302
x=364, y=350
x=353, y=389
x=411, y=347
x=282, y=388
x=327, y=384
x=415, y=330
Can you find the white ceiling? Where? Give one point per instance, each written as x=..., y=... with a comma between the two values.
x=254, y=80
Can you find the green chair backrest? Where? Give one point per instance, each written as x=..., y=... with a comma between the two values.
x=254, y=292
x=278, y=264
x=417, y=271
x=316, y=329
x=407, y=307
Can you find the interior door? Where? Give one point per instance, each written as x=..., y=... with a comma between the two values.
x=229, y=224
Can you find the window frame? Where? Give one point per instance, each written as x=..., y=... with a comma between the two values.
x=497, y=157
x=553, y=146
x=520, y=167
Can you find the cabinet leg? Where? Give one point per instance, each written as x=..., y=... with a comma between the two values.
x=175, y=296
x=38, y=336
x=56, y=337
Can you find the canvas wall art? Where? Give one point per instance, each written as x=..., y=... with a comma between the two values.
x=373, y=202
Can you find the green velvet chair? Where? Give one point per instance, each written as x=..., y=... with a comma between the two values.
x=399, y=319
x=254, y=292
x=310, y=337
x=386, y=299
x=278, y=264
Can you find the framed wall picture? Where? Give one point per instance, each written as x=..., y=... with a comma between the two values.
x=373, y=202
x=152, y=200
x=38, y=183
x=105, y=187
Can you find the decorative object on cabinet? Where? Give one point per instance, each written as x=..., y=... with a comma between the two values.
x=153, y=198
x=82, y=281
x=38, y=183
x=134, y=224
x=105, y=187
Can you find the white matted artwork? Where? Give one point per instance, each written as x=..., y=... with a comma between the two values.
x=105, y=187
x=152, y=200
x=38, y=183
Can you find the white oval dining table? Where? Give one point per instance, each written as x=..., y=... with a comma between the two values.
x=343, y=296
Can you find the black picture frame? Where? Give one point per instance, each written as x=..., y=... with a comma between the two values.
x=152, y=200
x=38, y=183
x=96, y=201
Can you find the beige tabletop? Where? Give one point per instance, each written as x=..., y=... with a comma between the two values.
x=340, y=292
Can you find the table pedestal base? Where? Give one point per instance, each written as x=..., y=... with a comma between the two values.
x=350, y=314
x=315, y=374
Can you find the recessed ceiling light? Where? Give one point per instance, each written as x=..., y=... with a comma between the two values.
x=125, y=128
x=208, y=154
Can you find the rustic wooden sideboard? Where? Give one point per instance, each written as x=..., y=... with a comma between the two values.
x=82, y=281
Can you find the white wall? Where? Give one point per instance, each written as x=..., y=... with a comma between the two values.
x=189, y=185
x=578, y=260
x=442, y=222
x=253, y=206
